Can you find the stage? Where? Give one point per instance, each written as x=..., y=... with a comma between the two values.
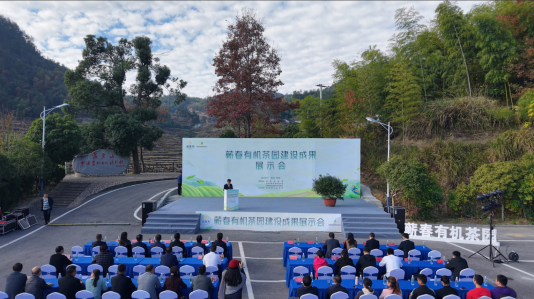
x=190, y=214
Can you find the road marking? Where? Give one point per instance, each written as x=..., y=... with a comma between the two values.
x=524, y=272
x=68, y=212
x=138, y=209
x=516, y=240
x=268, y=281
x=526, y=261
x=247, y=282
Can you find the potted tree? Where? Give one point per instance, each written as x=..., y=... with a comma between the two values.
x=330, y=187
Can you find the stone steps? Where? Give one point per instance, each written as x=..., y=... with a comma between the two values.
x=381, y=224
x=170, y=223
x=66, y=192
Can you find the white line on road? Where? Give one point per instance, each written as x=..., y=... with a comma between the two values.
x=516, y=240
x=524, y=272
x=68, y=212
x=138, y=209
x=244, y=261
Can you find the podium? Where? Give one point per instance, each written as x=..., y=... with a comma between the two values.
x=231, y=200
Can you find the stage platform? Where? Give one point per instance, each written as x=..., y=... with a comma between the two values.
x=189, y=214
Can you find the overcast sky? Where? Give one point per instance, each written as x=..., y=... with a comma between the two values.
x=308, y=35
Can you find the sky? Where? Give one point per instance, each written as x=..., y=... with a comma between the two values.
x=309, y=35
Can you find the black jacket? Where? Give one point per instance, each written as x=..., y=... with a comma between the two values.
x=179, y=244
x=50, y=203
x=123, y=285
x=330, y=245
x=334, y=289
x=365, y=261
x=141, y=244
x=97, y=243
x=35, y=286
x=69, y=286
x=406, y=246
x=307, y=290
x=422, y=290
x=128, y=246
x=15, y=282
x=456, y=265
x=372, y=244
x=201, y=245
x=445, y=291
x=342, y=263
x=226, y=187
x=169, y=260
x=223, y=245
x=59, y=261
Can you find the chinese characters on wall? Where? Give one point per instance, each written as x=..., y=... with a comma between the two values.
x=267, y=221
x=260, y=156
x=100, y=162
x=451, y=233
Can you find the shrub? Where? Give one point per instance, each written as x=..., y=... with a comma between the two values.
x=329, y=187
x=228, y=134
x=511, y=145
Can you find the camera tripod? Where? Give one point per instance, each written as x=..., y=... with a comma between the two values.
x=492, y=249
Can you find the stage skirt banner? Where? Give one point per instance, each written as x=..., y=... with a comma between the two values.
x=268, y=167
x=231, y=200
x=264, y=221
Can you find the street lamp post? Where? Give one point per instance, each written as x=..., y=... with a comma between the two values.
x=320, y=103
x=43, y=117
x=390, y=131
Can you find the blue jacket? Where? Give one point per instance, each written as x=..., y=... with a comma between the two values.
x=179, y=177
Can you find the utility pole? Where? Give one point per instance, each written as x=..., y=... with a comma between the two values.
x=320, y=104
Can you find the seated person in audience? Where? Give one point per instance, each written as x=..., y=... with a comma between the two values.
x=158, y=243
x=59, y=261
x=233, y=280
x=390, y=261
x=178, y=243
x=366, y=290
x=456, y=264
x=366, y=260
x=318, y=262
x=479, y=290
x=406, y=245
x=219, y=242
x=104, y=258
x=500, y=291
x=212, y=258
x=69, y=285
x=169, y=259
x=122, y=284
x=446, y=290
x=15, y=281
x=330, y=245
x=336, y=287
x=343, y=261
x=149, y=282
x=96, y=285
x=200, y=244
x=422, y=289
x=393, y=288
x=140, y=243
x=372, y=243
x=123, y=241
x=35, y=284
x=202, y=282
x=350, y=242
x=174, y=282
x=307, y=288
x=98, y=241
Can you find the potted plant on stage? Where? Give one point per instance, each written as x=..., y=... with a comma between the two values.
x=330, y=188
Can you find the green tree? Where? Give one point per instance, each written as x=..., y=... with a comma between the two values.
x=97, y=87
x=62, y=137
x=228, y=134
x=93, y=137
x=404, y=96
x=290, y=131
x=309, y=114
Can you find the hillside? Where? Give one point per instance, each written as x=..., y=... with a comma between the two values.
x=28, y=81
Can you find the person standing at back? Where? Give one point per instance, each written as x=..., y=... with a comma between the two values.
x=179, y=179
x=456, y=264
x=69, y=285
x=219, y=242
x=479, y=290
x=59, y=261
x=98, y=241
x=232, y=282
x=35, y=284
x=15, y=281
x=406, y=245
x=149, y=282
x=228, y=185
x=330, y=245
x=46, y=207
x=140, y=243
x=372, y=243
x=122, y=284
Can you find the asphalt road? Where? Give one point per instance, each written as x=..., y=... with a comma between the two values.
x=262, y=251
